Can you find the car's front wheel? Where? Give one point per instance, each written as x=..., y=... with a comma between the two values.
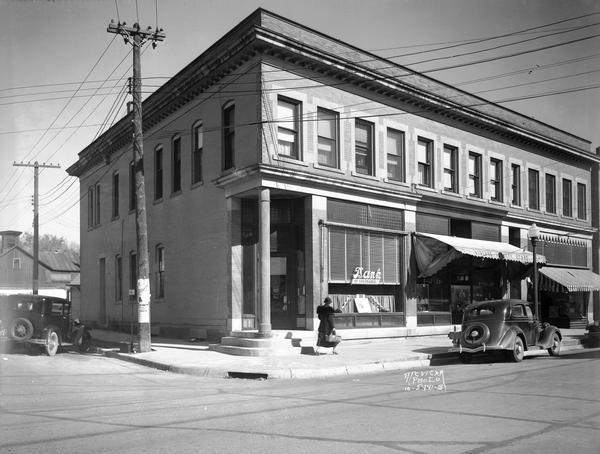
x=554, y=349
x=52, y=343
x=518, y=352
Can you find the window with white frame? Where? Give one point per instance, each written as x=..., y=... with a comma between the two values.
x=534, y=189
x=581, y=202
x=197, y=147
x=395, y=155
x=16, y=263
x=515, y=187
x=288, y=127
x=550, y=193
x=364, y=155
x=327, y=137
x=450, y=163
x=425, y=162
x=496, y=180
x=475, y=187
x=567, y=197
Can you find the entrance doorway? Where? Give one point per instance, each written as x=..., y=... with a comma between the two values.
x=287, y=289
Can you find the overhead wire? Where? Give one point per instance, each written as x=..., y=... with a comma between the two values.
x=20, y=172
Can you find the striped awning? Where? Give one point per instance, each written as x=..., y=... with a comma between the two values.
x=568, y=280
x=485, y=249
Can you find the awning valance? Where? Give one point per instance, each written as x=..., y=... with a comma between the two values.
x=433, y=252
x=568, y=280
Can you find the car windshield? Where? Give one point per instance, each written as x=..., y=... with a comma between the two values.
x=481, y=311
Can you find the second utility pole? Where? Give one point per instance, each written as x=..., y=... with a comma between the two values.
x=137, y=37
x=36, y=220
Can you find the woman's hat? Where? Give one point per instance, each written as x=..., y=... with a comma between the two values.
x=327, y=300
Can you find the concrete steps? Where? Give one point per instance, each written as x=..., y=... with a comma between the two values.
x=250, y=343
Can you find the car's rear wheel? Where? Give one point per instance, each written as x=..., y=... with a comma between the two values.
x=465, y=358
x=52, y=343
x=518, y=352
x=555, y=347
x=20, y=330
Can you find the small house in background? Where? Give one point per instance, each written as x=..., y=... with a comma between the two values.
x=56, y=269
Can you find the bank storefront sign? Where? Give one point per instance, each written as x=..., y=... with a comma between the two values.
x=363, y=276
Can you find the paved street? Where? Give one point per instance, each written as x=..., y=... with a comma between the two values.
x=88, y=403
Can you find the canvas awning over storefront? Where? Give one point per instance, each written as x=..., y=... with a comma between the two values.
x=555, y=279
x=433, y=252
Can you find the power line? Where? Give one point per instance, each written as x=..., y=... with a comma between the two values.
x=500, y=46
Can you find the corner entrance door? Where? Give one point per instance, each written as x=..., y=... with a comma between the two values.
x=282, y=306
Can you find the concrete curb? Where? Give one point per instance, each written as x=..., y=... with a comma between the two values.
x=257, y=372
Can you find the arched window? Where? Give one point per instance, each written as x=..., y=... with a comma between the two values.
x=158, y=173
x=228, y=136
x=197, y=146
x=176, y=164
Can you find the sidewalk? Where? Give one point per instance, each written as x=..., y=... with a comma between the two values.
x=355, y=356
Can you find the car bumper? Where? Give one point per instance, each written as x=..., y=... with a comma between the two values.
x=480, y=348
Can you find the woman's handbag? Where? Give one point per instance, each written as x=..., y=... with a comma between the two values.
x=333, y=338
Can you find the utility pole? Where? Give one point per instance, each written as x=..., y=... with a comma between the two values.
x=36, y=234
x=137, y=37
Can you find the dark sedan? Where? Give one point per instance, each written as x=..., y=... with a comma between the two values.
x=507, y=325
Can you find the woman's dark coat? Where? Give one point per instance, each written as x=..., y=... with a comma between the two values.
x=326, y=325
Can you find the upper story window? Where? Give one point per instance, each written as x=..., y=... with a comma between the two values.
x=534, y=189
x=133, y=272
x=158, y=173
x=425, y=162
x=132, y=191
x=364, y=155
x=94, y=205
x=16, y=263
x=228, y=136
x=550, y=193
x=496, y=180
x=567, y=197
x=515, y=186
x=118, y=278
x=160, y=274
x=288, y=127
x=115, y=195
x=176, y=165
x=197, y=146
x=581, y=202
x=475, y=188
x=395, y=155
x=91, y=206
x=327, y=137
x=450, y=163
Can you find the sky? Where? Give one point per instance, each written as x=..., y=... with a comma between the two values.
x=62, y=72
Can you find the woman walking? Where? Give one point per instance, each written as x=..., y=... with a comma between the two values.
x=326, y=325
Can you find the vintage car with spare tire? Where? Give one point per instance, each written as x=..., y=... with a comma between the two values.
x=41, y=320
x=506, y=325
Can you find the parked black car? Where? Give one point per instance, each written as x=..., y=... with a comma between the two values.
x=507, y=325
x=41, y=320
